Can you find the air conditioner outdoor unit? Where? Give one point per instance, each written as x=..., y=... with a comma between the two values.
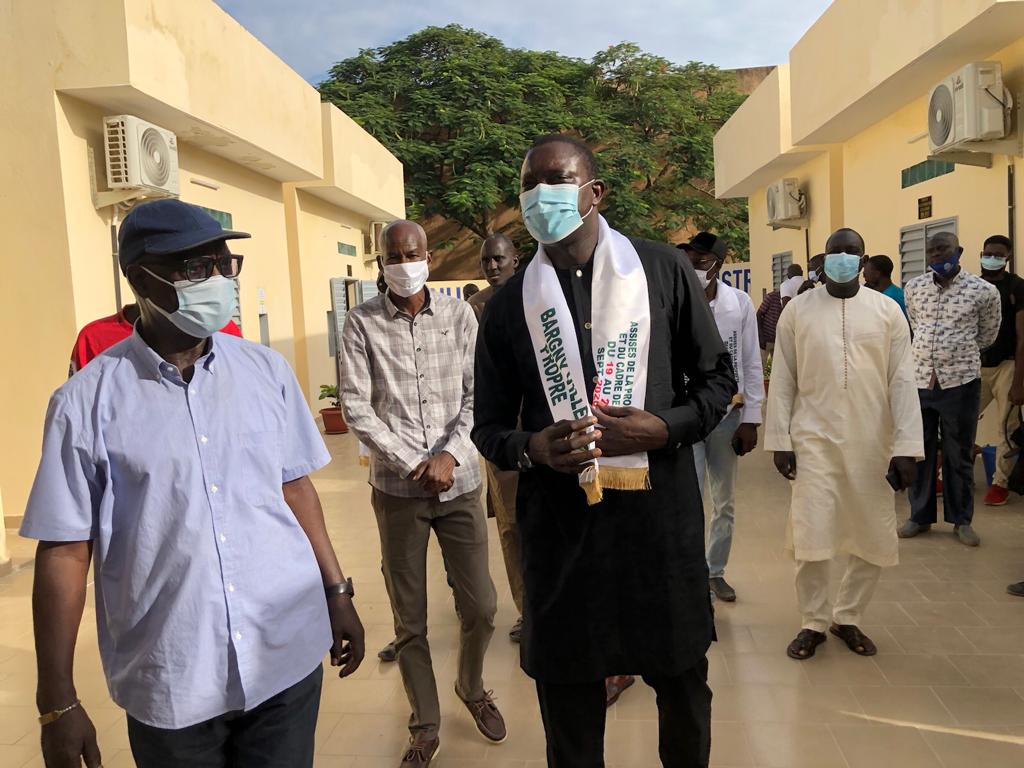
x=971, y=105
x=373, y=239
x=140, y=155
x=785, y=201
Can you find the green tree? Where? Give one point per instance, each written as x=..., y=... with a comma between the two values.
x=460, y=109
x=656, y=145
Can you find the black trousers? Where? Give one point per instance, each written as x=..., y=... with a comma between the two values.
x=574, y=718
x=953, y=413
x=276, y=734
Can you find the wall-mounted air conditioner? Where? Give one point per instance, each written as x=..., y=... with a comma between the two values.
x=372, y=250
x=140, y=155
x=785, y=202
x=969, y=106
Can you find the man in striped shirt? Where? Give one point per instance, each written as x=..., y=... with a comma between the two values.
x=407, y=393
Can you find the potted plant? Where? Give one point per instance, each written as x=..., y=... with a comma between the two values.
x=334, y=421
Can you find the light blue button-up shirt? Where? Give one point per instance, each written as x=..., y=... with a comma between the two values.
x=208, y=595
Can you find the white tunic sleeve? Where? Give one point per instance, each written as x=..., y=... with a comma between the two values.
x=750, y=358
x=782, y=387
x=908, y=435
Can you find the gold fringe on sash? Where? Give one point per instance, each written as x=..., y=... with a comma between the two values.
x=364, y=461
x=594, y=482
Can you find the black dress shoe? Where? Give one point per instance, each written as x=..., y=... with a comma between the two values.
x=722, y=589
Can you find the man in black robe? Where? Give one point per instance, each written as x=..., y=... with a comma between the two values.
x=620, y=587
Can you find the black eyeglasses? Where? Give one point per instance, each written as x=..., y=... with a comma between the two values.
x=200, y=268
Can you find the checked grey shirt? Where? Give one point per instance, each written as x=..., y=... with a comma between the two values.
x=407, y=390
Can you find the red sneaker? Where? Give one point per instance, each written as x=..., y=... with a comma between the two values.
x=997, y=496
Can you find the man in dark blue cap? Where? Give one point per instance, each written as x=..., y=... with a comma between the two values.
x=178, y=460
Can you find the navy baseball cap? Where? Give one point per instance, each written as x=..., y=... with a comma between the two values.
x=167, y=226
x=706, y=243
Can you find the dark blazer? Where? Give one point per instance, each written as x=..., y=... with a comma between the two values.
x=620, y=587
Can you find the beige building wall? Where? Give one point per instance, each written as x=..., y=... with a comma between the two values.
x=254, y=201
x=37, y=302
x=977, y=197
x=321, y=228
x=187, y=51
x=871, y=105
x=90, y=250
x=821, y=180
x=5, y=556
x=904, y=44
x=755, y=137
x=188, y=67
x=256, y=205
x=878, y=207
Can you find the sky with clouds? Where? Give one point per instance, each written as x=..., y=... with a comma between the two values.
x=311, y=35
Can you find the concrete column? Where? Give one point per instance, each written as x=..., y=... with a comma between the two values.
x=5, y=556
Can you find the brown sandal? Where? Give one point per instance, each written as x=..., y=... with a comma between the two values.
x=855, y=640
x=614, y=687
x=805, y=644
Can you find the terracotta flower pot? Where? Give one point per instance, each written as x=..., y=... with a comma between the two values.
x=334, y=421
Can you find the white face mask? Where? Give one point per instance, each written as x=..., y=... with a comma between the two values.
x=203, y=308
x=406, y=279
x=702, y=275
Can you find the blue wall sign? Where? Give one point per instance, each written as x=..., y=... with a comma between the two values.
x=738, y=277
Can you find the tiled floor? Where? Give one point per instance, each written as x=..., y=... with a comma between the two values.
x=945, y=691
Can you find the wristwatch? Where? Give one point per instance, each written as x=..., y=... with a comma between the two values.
x=344, y=588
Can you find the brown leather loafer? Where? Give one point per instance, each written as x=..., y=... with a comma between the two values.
x=420, y=752
x=388, y=653
x=488, y=719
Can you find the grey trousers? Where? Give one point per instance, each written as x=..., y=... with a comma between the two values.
x=461, y=529
x=501, y=499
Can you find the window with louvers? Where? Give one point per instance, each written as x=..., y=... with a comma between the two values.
x=913, y=241
x=780, y=263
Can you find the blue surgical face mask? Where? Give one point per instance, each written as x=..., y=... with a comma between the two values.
x=203, y=308
x=993, y=263
x=945, y=268
x=813, y=275
x=842, y=267
x=551, y=212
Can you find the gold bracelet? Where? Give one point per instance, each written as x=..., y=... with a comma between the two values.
x=57, y=714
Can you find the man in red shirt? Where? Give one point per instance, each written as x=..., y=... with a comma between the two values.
x=100, y=335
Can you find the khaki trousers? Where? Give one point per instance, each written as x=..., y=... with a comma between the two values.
x=855, y=592
x=995, y=386
x=501, y=501
x=461, y=529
